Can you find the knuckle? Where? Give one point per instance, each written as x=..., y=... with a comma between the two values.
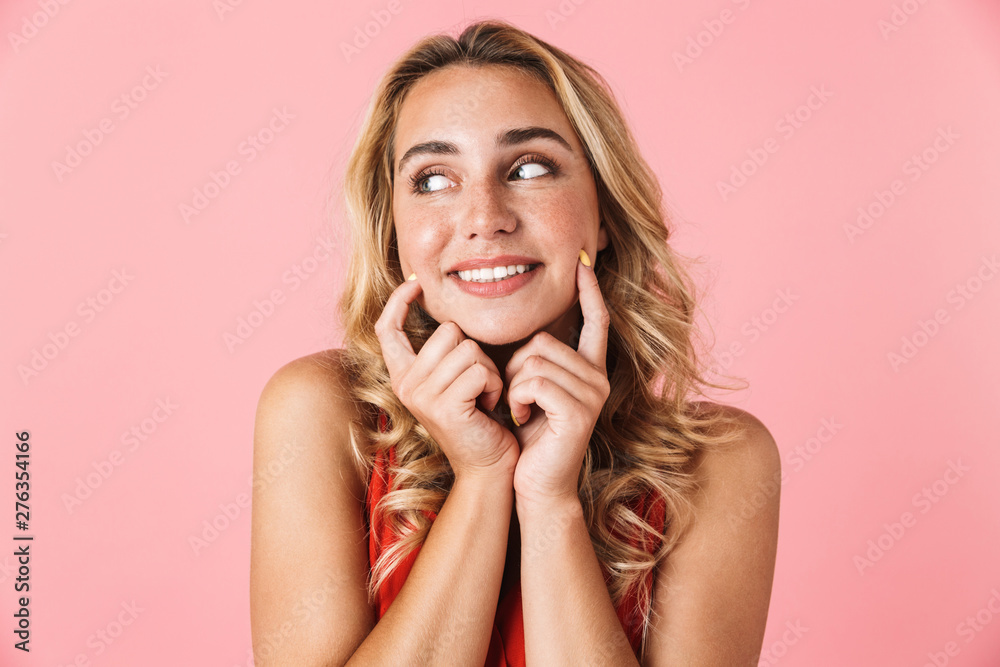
x=543, y=337
x=391, y=350
x=402, y=390
x=451, y=331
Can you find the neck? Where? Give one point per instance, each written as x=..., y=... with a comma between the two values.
x=501, y=354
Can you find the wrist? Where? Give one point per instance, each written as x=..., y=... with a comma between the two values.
x=496, y=475
x=530, y=506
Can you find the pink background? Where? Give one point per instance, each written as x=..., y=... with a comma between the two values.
x=824, y=359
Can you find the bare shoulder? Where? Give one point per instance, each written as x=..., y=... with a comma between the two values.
x=753, y=455
x=308, y=540
x=311, y=392
x=738, y=485
x=712, y=593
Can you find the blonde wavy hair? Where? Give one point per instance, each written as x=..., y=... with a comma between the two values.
x=649, y=432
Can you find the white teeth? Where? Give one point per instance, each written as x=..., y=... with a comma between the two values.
x=495, y=274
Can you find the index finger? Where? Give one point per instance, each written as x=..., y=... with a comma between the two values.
x=396, y=348
x=593, y=345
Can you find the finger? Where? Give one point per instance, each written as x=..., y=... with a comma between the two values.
x=558, y=404
x=551, y=374
x=593, y=345
x=438, y=345
x=546, y=345
x=474, y=380
x=396, y=348
x=466, y=353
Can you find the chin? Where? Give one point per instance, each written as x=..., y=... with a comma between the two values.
x=497, y=338
x=481, y=332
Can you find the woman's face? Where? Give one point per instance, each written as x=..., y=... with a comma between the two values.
x=489, y=172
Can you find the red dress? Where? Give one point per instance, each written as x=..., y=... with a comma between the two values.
x=507, y=643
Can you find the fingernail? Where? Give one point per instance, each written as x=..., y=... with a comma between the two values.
x=584, y=258
x=513, y=417
x=413, y=276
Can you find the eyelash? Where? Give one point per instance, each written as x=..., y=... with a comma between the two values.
x=417, y=180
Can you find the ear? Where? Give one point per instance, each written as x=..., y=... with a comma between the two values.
x=602, y=237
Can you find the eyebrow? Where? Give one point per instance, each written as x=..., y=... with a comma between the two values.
x=513, y=137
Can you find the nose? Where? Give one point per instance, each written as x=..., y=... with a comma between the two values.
x=488, y=211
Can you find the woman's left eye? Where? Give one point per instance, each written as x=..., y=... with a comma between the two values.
x=535, y=161
x=526, y=169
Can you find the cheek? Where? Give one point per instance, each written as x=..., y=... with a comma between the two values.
x=566, y=220
x=420, y=242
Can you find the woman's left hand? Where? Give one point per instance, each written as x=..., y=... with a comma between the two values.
x=569, y=388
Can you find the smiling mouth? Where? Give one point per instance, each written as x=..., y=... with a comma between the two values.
x=494, y=275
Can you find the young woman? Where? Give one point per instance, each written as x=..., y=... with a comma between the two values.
x=504, y=465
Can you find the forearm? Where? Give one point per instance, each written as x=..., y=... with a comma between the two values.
x=445, y=611
x=568, y=615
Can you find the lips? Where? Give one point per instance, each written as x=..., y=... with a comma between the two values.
x=499, y=288
x=491, y=262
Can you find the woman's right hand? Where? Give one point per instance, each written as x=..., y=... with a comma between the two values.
x=444, y=387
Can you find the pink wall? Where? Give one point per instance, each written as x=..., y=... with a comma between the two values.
x=842, y=113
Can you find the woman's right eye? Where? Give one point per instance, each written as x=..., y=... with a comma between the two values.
x=418, y=182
